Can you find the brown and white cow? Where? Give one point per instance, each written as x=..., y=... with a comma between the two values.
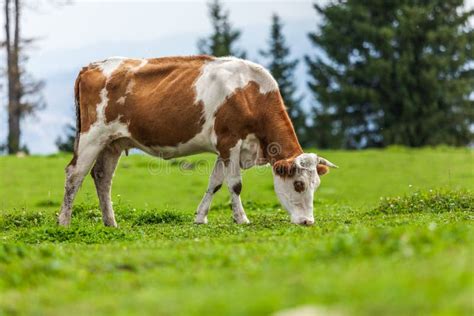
x=178, y=106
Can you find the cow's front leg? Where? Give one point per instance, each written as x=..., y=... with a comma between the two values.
x=234, y=183
x=215, y=183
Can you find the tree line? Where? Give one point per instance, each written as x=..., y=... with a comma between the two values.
x=381, y=73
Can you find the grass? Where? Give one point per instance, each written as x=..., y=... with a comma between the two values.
x=393, y=235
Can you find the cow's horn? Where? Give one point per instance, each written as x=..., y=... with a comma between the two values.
x=325, y=162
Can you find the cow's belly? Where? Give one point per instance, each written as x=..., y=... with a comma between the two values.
x=202, y=142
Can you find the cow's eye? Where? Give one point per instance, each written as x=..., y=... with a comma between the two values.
x=299, y=186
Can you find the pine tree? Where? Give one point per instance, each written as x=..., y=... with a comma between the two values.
x=282, y=68
x=224, y=37
x=393, y=72
x=66, y=144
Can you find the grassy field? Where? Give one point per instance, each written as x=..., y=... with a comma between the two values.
x=393, y=236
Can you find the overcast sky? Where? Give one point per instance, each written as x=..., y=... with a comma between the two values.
x=73, y=35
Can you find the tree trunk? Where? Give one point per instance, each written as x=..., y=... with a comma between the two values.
x=13, y=73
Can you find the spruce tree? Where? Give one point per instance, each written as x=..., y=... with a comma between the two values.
x=66, y=143
x=282, y=68
x=222, y=42
x=393, y=72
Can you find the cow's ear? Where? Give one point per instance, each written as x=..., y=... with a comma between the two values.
x=284, y=168
x=322, y=169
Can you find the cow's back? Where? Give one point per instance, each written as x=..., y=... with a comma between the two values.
x=165, y=105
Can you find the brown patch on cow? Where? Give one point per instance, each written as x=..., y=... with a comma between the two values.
x=159, y=111
x=237, y=188
x=248, y=111
x=285, y=168
x=299, y=186
x=90, y=83
x=322, y=169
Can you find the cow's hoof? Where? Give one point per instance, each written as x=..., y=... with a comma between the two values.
x=63, y=221
x=110, y=224
x=243, y=220
x=200, y=221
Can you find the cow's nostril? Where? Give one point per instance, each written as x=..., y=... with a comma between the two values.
x=307, y=222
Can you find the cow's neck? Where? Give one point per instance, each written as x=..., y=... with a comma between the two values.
x=280, y=141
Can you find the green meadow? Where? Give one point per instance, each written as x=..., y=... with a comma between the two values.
x=393, y=235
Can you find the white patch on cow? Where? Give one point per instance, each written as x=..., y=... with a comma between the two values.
x=104, y=100
x=121, y=100
x=198, y=144
x=130, y=87
x=128, y=91
x=109, y=65
x=221, y=77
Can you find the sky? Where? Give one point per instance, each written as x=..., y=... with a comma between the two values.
x=71, y=36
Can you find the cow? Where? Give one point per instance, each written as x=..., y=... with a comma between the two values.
x=177, y=106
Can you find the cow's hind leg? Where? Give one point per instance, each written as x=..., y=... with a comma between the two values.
x=215, y=183
x=103, y=172
x=77, y=169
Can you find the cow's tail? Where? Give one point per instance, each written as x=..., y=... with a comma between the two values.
x=77, y=101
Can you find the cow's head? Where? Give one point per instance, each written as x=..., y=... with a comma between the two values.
x=295, y=181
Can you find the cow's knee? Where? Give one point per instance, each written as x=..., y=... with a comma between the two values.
x=237, y=188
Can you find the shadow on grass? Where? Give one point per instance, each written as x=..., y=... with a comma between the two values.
x=48, y=203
